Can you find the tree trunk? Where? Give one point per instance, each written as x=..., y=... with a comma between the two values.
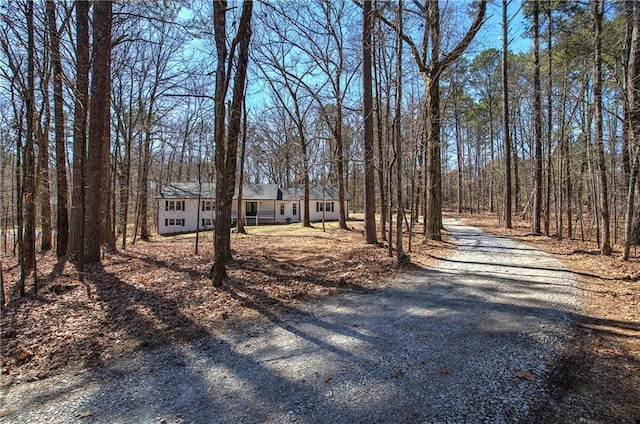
x=97, y=222
x=459, y=152
x=537, y=123
x=433, y=218
x=604, y=230
x=125, y=184
x=380, y=139
x=633, y=116
x=227, y=144
x=243, y=148
x=505, y=117
x=62, y=221
x=369, y=176
x=28, y=247
x=143, y=184
x=76, y=228
x=431, y=69
x=44, y=187
x=548, y=189
x=401, y=257
x=342, y=220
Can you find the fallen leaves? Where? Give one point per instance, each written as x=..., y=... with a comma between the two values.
x=523, y=375
x=84, y=414
x=23, y=355
x=158, y=292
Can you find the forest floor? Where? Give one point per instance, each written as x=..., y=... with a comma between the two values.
x=158, y=292
x=162, y=287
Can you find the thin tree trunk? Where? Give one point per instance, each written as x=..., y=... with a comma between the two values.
x=28, y=248
x=76, y=228
x=633, y=116
x=19, y=178
x=516, y=169
x=548, y=189
x=604, y=230
x=43, y=186
x=243, y=147
x=537, y=118
x=62, y=220
x=505, y=118
x=459, y=152
x=369, y=171
x=125, y=182
x=380, y=139
x=143, y=184
x=401, y=257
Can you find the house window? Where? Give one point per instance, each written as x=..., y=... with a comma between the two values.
x=206, y=222
x=174, y=205
x=281, y=208
x=294, y=209
x=324, y=207
x=206, y=205
x=174, y=222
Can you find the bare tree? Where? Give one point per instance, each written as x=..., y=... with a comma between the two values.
x=367, y=101
x=505, y=117
x=432, y=62
x=62, y=224
x=28, y=249
x=633, y=101
x=81, y=103
x=548, y=163
x=537, y=117
x=243, y=151
x=285, y=75
x=604, y=226
x=401, y=257
x=227, y=139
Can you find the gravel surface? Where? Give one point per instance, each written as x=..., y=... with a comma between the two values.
x=469, y=339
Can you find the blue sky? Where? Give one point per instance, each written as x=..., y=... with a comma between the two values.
x=491, y=33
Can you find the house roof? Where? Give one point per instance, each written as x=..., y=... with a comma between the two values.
x=259, y=192
x=250, y=191
x=315, y=193
x=187, y=191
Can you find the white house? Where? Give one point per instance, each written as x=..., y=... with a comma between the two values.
x=187, y=207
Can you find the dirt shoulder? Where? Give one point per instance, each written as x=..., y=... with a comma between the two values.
x=601, y=371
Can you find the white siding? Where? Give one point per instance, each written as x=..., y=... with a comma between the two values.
x=183, y=221
x=315, y=212
x=287, y=207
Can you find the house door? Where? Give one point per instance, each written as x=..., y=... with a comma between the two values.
x=251, y=208
x=251, y=213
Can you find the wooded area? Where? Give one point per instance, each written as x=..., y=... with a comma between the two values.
x=528, y=111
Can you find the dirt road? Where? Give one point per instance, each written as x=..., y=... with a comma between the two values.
x=469, y=339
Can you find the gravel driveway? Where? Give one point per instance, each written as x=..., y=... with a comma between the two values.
x=469, y=339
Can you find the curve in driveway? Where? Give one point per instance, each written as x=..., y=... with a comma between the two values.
x=468, y=339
